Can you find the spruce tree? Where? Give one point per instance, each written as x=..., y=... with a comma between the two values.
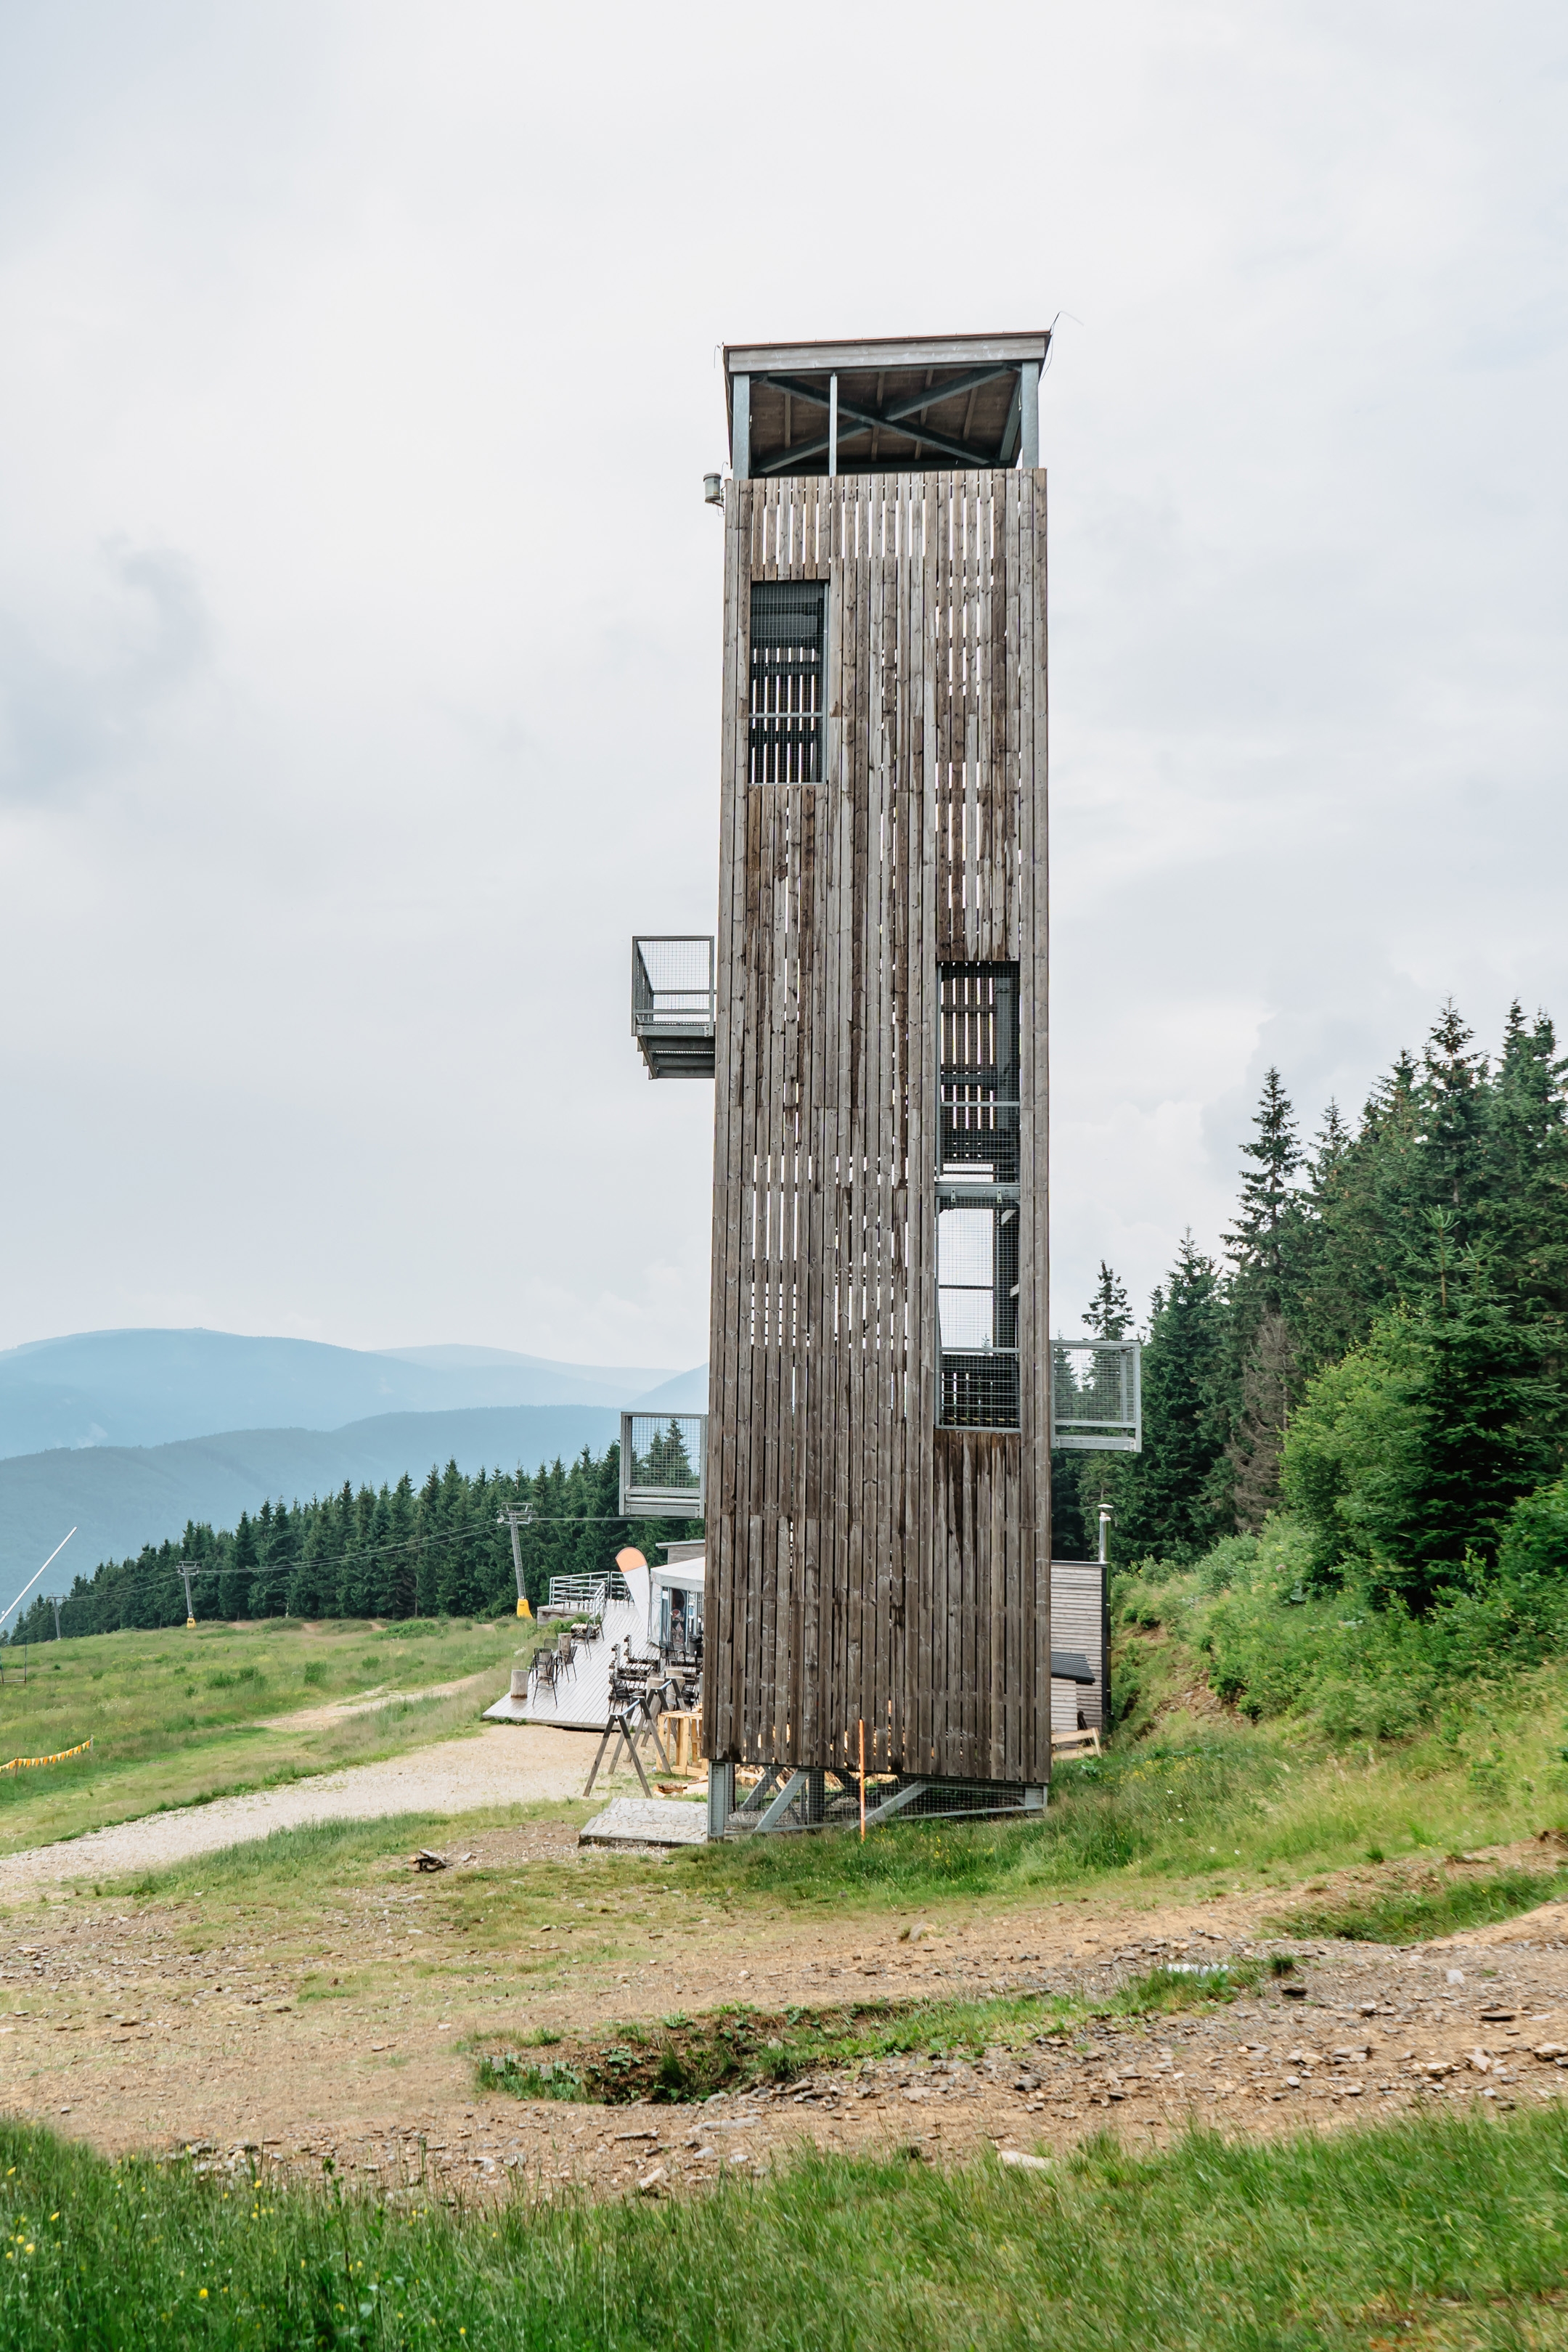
x=1527, y=1183
x=234, y=1584
x=1452, y=1100
x=1173, y=1501
x=1110, y=1314
x=1259, y=1240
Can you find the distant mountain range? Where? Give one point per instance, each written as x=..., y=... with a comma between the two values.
x=171, y=1426
x=153, y=1388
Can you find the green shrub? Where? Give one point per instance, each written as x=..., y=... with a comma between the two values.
x=1534, y=1546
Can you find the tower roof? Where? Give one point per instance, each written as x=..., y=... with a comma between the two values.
x=906, y=403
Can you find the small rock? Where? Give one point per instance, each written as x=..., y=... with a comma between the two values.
x=652, y=2183
x=1456, y=1975
x=1022, y=2163
x=1547, y=2050
x=1480, y=2062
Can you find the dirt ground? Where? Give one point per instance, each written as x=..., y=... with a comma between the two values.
x=110, y=2028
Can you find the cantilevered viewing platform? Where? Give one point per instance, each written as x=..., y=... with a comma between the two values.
x=673, y=1005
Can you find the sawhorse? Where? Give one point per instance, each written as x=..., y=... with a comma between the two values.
x=623, y=1730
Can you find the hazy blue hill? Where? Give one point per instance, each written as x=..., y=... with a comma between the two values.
x=686, y=1393
x=151, y=1388
x=120, y=1497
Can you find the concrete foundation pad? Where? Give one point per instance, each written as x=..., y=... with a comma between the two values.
x=647, y=1820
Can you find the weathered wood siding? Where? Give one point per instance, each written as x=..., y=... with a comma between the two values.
x=865, y=1565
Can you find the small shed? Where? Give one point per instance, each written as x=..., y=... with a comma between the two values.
x=1081, y=1622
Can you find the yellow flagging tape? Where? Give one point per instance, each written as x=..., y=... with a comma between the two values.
x=25, y=1763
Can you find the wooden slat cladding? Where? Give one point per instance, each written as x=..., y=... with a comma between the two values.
x=863, y=1565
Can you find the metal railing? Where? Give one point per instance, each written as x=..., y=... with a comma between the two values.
x=1097, y=1405
x=589, y=1594
x=675, y=1004
x=673, y=984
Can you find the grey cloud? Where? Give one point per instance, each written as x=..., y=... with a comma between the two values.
x=63, y=721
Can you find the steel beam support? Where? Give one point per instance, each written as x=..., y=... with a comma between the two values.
x=896, y=1802
x=721, y=1798
x=783, y=1801
x=894, y=418
x=755, y=1799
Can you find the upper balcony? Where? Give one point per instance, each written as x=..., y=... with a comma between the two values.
x=664, y=1465
x=1097, y=1403
x=674, y=1002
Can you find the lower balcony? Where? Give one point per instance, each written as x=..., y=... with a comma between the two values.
x=674, y=1004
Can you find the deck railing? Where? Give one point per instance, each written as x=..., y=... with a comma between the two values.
x=675, y=1004
x=1097, y=1404
x=664, y=1465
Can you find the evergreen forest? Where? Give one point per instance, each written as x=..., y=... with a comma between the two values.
x=1380, y=1353
x=442, y=1549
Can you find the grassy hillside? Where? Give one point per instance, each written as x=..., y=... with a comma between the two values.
x=176, y=1717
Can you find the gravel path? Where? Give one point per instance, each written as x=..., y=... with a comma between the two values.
x=505, y=1764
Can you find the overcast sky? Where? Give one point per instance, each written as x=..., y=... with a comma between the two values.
x=359, y=611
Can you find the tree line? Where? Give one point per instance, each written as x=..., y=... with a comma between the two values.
x=439, y=1549
x=1382, y=1347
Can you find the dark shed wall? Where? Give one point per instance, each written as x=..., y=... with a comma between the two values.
x=863, y=1565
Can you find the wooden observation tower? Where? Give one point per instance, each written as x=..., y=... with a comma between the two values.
x=877, y=1486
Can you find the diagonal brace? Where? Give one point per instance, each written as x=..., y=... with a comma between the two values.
x=896, y=1802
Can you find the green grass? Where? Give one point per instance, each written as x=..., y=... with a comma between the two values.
x=688, y=2058
x=1443, y=2231
x=1409, y=1914
x=177, y=1716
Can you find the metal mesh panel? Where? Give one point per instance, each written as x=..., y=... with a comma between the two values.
x=980, y=1391
x=1095, y=1402
x=947, y=1797
x=980, y=1072
x=789, y=655
x=672, y=983
x=830, y=1799
x=663, y=1464
x=978, y=1197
